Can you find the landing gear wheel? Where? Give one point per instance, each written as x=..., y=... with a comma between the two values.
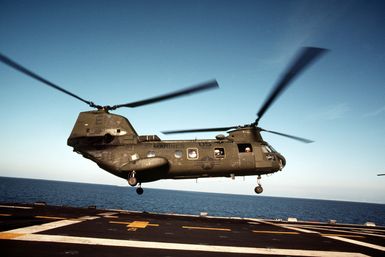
x=258, y=189
x=139, y=190
x=132, y=181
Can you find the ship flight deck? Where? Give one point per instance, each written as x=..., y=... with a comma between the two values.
x=42, y=230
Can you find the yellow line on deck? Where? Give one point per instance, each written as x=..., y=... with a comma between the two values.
x=342, y=235
x=5, y=235
x=5, y=215
x=50, y=217
x=207, y=228
x=275, y=232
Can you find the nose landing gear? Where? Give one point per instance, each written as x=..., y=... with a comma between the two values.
x=258, y=189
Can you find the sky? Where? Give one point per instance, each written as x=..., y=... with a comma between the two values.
x=113, y=52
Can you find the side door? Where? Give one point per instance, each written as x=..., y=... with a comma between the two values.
x=246, y=156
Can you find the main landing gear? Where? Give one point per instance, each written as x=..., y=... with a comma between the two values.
x=258, y=189
x=133, y=181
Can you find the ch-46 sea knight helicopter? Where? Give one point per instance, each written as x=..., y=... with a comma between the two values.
x=112, y=142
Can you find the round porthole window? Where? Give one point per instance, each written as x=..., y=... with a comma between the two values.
x=178, y=154
x=151, y=154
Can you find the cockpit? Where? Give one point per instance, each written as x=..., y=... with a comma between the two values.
x=272, y=155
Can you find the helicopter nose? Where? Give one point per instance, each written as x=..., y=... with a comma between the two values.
x=282, y=160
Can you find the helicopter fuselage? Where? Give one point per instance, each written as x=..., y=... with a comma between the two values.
x=110, y=141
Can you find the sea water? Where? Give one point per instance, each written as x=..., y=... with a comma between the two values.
x=17, y=190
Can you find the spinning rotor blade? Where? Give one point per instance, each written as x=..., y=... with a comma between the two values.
x=24, y=70
x=303, y=140
x=190, y=90
x=204, y=86
x=198, y=130
x=304, y=59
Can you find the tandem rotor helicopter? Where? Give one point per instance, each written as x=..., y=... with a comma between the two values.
x=112, y=143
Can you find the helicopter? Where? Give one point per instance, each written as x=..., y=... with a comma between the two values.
x=112, y=143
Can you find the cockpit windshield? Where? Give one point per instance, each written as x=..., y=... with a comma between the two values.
x=268, y=148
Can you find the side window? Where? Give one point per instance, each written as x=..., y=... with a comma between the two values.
x=219, y=152
x=178, y=154
x=192, y=153
x=245, y=148
x=151, y=154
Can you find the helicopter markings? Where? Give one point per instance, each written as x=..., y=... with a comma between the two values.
x=167, y=146
x=204, y=144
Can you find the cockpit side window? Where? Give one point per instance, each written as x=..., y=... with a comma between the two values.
x=266, y=149
x=245, y=148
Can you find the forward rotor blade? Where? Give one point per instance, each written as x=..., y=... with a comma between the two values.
x=194, y=89
x=304, y=59
x=27, y=72
x=198, y=130
x=303, y=140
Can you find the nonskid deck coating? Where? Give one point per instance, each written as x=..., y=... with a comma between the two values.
x=42, y=230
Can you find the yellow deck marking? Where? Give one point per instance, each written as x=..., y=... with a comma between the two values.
x=108, y=214
x=276, y=232
x=207, y=228
x=111, y=217
x=135, y=224
x=5, y=215
x=342, y=235
x=6, y=235
x=138, y=224
x=50, y=218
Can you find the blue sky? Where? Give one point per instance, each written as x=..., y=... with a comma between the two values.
x=113, y=52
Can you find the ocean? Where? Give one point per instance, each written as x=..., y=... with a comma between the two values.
x=17, y=190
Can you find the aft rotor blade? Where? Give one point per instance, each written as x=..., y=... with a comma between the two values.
x=198, y=130
x=303, y=140
x=194, y=89
x=24, y=70
x=304, y=59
